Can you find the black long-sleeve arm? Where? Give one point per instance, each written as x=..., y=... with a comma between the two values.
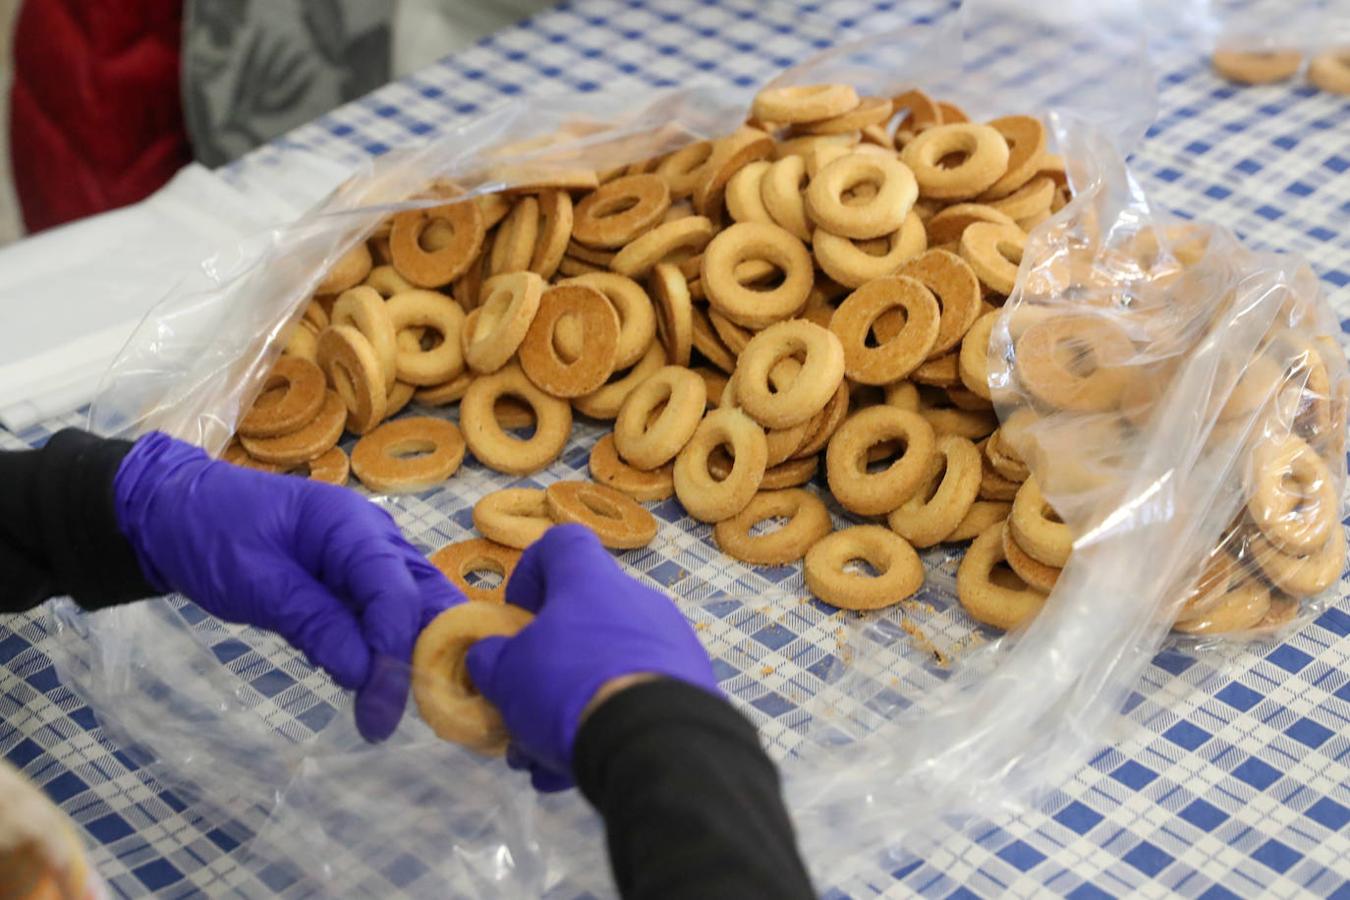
x=58, y=526
x=691, y=802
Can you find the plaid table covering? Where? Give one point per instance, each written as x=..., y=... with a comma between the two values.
x=1230, y=777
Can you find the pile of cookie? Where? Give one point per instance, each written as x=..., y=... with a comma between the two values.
x=1328, y=71
x=818, y=287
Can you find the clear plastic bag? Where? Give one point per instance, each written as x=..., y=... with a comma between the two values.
x=884, y=741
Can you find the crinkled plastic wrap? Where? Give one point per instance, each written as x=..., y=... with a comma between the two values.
x=1215, y=353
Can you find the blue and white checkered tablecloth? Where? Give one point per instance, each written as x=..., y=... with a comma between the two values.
x=1231, y=776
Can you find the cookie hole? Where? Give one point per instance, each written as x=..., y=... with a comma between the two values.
x=1076, y=357
x=930, y=489
x=599, y=505
x=755, y=275
x=882, y=456
x=438, y=235
x=861, y=192
x=874, y=246
x=886, y=326
x=1010, y=251
x=301, y=471
x=411, y=448
x=863, y=568
x=768, y=526
x=614, y=206
x=482, y=572
x=567, y=338
x=515, y=415
x=953, y=160
x=1004, y=577
x=1048, y=513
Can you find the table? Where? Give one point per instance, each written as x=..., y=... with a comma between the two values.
x=1230, y=778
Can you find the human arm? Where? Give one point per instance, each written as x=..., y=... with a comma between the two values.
x=691, y=803
x=329, y=571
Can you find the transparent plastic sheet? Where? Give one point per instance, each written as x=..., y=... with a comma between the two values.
x=888, y=745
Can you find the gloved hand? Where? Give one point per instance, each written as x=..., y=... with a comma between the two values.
x=592, y=623
x=320, y=565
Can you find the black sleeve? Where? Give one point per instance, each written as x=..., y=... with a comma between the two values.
x=58, y=528
x=691, y=802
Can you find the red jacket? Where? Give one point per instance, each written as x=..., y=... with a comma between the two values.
x=96, y=120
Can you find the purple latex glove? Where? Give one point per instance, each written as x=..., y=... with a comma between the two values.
x=592, y=623
x=320, y=565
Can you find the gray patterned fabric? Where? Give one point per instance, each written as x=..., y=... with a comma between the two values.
x=254, y=69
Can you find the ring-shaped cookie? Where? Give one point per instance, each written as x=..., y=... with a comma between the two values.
x=364, y=309
x=900, y=572
x=447, y=393
x=743, y=197
x=986, y=159
x=869, y=111
x=822, y=370
x=921, y=112
x=896, y=191
x=973, y=363
x=804, y=103
x=446, y=697
x=983, y=514
x=307, y=443
x=1035, y=573
x=646, y=442
x=1031, y=199
x=994, y=253
x=947, y=226
x=513, y=517
x=879, y=493
x=618, y=211
x=434, y=310
x=756, y=241
x=793, y=473
x=783, y=442
x=808, y=521
x=509, y=306
x=585, y=372
x=1330, y=71
x=684, y=169
x=1026, y=148
x=689, y=234
x=824, y=424
x=1301, y=576
x=349, y=270
x=295, y=390
x=1291, y=495
x=1045, y=538
x=939, y=505
x=852, y=266
x=744, y=145
x=637, y=318
x=348, y=360
x=780, y=190
x=459, y=560
x=555, y=231
x=958, y=294
x=646, y=485
x=993, y=596
x=606, y=402
x=675, y=322
x=490, y=443
x=898, y=354
x=436, y=268
x=616, y=518
x=1256, y=67
x=1074, y=362
x=706, y=341
x=515, y=238
x=409, y=455
x=703, y=496
x=1240, y=608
